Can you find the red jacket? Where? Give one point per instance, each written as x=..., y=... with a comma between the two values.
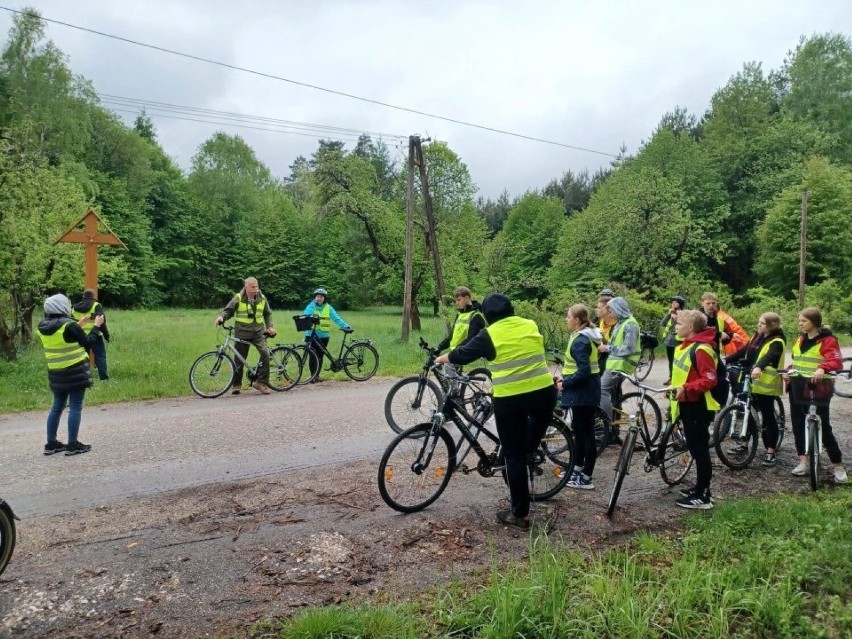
x=829, y=349
x=702, y=376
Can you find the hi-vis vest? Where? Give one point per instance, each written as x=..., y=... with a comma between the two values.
x=78, y=315
x=59, y=353
x=519, y=366
x=769, y=382
x=462, y=327
x=324, y=314
x=241, y=313
x=680, y=371
x=570, y=366
x=624, y=363
x=808, y=361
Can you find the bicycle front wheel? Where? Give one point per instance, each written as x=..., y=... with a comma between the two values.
x=779, y=418
x=672, y=454
x=646, y=362
x=734, y=449
x=211, y=374
x=411, y=401
x=813, y=451
x=647, y=411
x=550, y=466
x=415, y=468
x=7, y=537
x=621, y=469
x=843, y=379
x=285, y=368
x=360, y=361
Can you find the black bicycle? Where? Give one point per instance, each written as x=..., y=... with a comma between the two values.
x=7, y=534
x=417, y=465
x=648, y=342
x=358, y=359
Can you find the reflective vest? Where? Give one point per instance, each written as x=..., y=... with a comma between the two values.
x=462, y=327
x=59, y=353
x=519, y=366
x=624, y=363
x=243, y=309
x=809, y=361
x=769, y=382
x=78, y=315
x=665, y=328
x=570, y=366
x=324, y=314
x=680, y=372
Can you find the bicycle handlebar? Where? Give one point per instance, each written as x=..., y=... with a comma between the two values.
x=638, y=384
x=794, y=372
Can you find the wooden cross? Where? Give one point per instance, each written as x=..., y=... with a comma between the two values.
x=91, y=237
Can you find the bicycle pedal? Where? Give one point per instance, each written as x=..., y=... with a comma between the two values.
x=466, y=470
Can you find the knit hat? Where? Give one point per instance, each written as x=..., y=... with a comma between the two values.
x=57, y=305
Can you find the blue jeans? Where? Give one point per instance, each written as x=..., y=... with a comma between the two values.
x=75, y=412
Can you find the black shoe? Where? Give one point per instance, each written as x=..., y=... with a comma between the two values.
x=696, y=501
x=77, y=448
x=51, y=448
x=769, y=460
x=315, y=380
x=235, y=388
x=687, y=491
x=509, y=518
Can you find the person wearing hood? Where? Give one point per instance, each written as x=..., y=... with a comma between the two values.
x=65, y=345
x=764, y=354
x=524, y=392
x=622, y=354
x=667, y=329
x=815, y=353
x=90, y=306
x=320, y=307
x=693, y=379
x=580, y=384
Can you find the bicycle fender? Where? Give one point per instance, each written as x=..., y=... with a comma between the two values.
x=4, y=505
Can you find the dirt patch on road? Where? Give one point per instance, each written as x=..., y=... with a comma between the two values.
x=218, y=558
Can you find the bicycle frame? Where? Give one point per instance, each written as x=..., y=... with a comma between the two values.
x=743, y=399
x=227, y=347
x=334, y=363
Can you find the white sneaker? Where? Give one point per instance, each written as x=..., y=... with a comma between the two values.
x=840, y=474
x=801, y=470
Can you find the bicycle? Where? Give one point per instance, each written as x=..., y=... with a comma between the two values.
x=639, y=403
x=413, y=399
x=214, y=372
x=417, y=465
x=648, y=342
x=358, y=359
x=735, y=426
x=804, y=388
x=843, y=379
x=670, y=455
x=7, y=534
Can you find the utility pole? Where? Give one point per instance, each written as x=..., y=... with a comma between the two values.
x=409, y=238
x=803, y=248
x=431, y=232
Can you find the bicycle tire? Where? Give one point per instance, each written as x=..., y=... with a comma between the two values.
x=727, y=440
x=602, y=427
x=480, y=382
x=673, y=456
x=285, y=368
x=8, y=536
x=307, y=356
x=813, y=452
x=646, y=363
x=550, y=466
x=621, y=469
x=483, y=409
x=843, y=379
x=780, y=418
x=411, y=401
x=212, y=374
x=360, y=361
x=649, y=419
x=405, y=487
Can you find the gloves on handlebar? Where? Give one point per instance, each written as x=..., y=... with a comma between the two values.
x=349, y=330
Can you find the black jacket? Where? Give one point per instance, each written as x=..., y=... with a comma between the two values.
x=477, y=323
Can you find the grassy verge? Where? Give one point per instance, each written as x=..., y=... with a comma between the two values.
x=779, y=567
x=151, y=352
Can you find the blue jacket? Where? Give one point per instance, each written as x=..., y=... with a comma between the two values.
x=583, y=388
x=309, y=310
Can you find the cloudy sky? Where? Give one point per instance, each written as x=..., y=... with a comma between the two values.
x=596, y=75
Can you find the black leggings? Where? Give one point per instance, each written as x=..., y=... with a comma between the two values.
x=798, y=412
x=765, y=404
x=696, y=428
x=585, y=446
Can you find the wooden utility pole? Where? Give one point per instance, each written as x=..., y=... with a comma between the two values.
x=803, y=248
x=409, y=240
x=431, y=227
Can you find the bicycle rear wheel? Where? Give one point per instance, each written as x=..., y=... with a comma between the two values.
x=550, y=466
x=360, y=361
x=621, y=469
x=211, y=374
x=7, y=536
x=733, y=449
x=646, y=363
x=843, y=379
x=779, y=418
x=411, y=401
x=672, y=454
x=813, y=451
x=648, y=415
x=285, y=368
x=415, y=468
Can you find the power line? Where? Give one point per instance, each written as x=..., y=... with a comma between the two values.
x=315, y=87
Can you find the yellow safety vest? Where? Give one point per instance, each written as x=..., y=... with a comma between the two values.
x=78, y=315
x=59, y=353
x=808, y=361
x=324, y=314
x=570, y=366
x=769, y=382
x=462, y=327
x=519, y=366
x=680, y=371
x=624, y=363
x=241, y=312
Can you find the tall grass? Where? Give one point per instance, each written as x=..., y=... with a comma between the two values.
x=151, y=351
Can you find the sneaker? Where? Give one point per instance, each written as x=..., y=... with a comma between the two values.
x=770, y=459
x=235, y=388
x=315, y=380
x=840, y=475
x=686, y=491
x=801, y=470
x=508, y=517
x=696, y=501
x=51, y=448
x=77, y=448
x=738, y=448
x=261, y=388
x=580, y=482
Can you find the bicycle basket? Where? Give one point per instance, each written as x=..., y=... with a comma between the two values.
x=801, y=394
x=648, y=340
x=305, y=322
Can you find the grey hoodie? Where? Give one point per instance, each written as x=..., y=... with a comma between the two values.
x=630, y=345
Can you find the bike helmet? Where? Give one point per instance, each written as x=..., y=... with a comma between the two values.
x=607, y=292
x=321, y=291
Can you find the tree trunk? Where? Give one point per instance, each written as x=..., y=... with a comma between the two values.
x=436, y=306
x=26, y=327
x=7, y=341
